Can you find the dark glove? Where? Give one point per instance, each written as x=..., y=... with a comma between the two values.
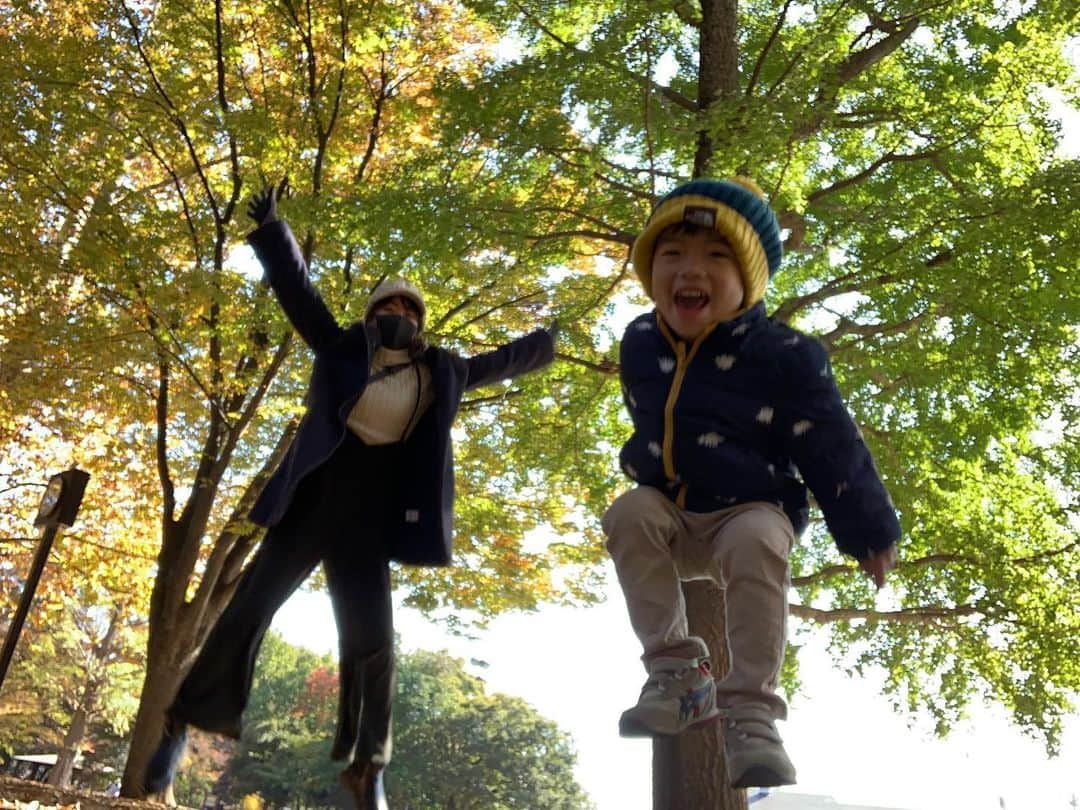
x=554, y=331
x=263, y=206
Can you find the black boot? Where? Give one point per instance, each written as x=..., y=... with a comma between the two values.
x=363, y=780
x=161, y=770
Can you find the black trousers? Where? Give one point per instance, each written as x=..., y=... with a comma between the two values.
x=339, y=518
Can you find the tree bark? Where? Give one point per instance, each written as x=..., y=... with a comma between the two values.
x=689, y=772
x=158, y=690
x=718, y=68
x=60, y=773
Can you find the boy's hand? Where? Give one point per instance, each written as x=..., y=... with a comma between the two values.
x=878, y=564
x=263, y=206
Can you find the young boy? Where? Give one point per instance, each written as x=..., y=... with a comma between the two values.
x=726, y=404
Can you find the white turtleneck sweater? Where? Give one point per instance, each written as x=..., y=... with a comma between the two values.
x=391, y=406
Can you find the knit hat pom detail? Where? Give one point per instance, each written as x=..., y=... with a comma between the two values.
x=734, y=207
x=748, y=184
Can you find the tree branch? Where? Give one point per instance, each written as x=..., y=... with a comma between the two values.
x=856, y=64
x=513, y=302
x=668, y=93
x=231, y=548
x=847, y=326
x=161, y=412
x=889, y=157
x=381, y=96
x=861, y=61
x=252, y=406
x=189, y=218
x=916, y=615
x=773, y=36
x=606, y=367
x=480, y=401
x=619, y=237
x=686, y=12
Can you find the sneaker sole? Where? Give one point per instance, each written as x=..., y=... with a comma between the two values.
x=760, y=776
x=635, y=728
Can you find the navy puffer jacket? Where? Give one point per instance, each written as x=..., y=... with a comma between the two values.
x=739, y=415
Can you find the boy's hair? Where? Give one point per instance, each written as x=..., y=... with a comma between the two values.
x=737, y=209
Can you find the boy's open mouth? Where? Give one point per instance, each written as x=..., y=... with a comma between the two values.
x=691, y=299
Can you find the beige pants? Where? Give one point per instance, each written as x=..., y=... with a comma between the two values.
x=744, y=549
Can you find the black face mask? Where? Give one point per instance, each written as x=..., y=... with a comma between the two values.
x=395, y=331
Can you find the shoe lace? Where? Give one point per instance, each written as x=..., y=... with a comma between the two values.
x=660, y=680
x=759, y=727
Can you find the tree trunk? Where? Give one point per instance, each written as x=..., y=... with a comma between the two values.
x=718, y=69
x=60, y=773
x=96, y=675
x=688, y=770
x=157, y=693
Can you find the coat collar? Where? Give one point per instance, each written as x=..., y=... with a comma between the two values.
x=741, y=324
x=364, y=334
x=723, y=331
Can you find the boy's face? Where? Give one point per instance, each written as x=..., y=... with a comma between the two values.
x=696, y=280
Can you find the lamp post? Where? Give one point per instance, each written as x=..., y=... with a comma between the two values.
x=58, y=507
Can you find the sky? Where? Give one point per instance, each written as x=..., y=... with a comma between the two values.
x=580, y=668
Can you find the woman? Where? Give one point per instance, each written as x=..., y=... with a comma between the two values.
x=368, y=479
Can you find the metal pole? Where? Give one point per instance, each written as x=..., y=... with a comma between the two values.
x=40, y=558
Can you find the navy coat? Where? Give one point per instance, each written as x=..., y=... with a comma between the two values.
x=731, y=417
x=423, y=511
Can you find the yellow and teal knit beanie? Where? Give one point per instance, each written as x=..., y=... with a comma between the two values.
x=737, y=209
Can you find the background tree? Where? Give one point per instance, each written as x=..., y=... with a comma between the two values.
x=285, y=753
x=73, y=683
x=454, y=744
x=109, y=679
x=73, y=680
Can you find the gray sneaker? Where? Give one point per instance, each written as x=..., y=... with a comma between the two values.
x=679, y=694
x=755, y=752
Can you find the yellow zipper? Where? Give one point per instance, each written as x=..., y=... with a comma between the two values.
x=682, y=363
